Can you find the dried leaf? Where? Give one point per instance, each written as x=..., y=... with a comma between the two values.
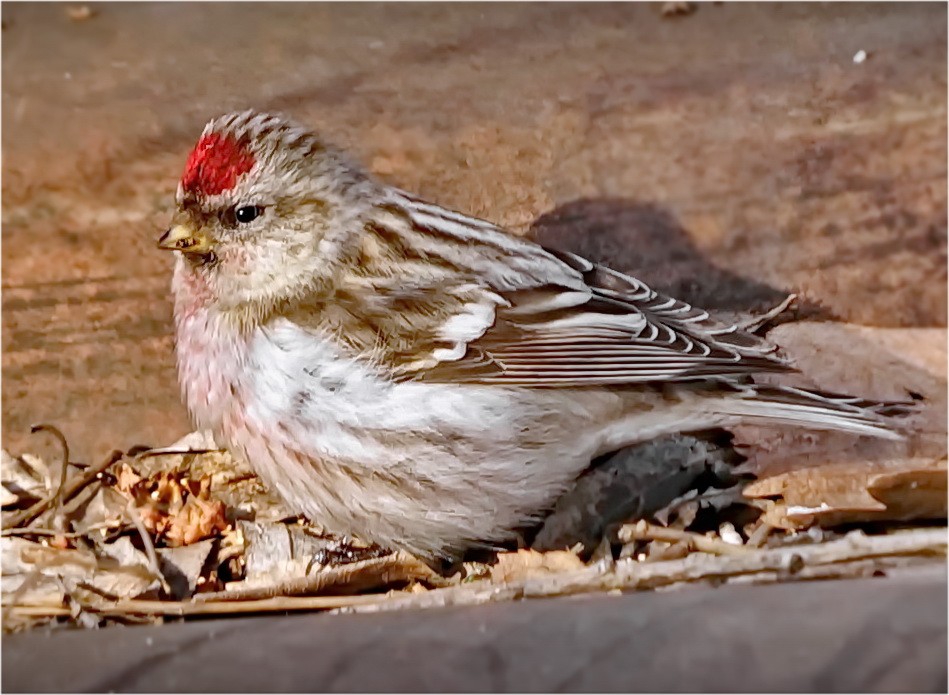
x=194, y=457
x=182, y=566
x=103, y=511
x=912, y=494
x=123, y=571
x=23, y=483
x=125, y=575
x=52, y=561
x=275, y=550
x=174, y=508
x=199, y=517
x=524, y=564
x=852, y=492
x=366, y=575
x=380, y=573
x=199, y=440
x=126, y=478
x=123, y=552
x=8, y=498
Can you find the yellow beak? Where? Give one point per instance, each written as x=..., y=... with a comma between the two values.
x=181, y=238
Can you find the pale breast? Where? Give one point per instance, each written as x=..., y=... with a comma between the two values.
x=210, y=353
x=419, y=465
x=295, y=375
x=413, y=464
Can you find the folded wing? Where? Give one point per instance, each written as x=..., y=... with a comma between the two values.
x=612, y=329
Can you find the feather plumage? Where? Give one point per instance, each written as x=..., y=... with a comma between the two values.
x=421, y=378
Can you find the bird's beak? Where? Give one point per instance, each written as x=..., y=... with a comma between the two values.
x=181, y=238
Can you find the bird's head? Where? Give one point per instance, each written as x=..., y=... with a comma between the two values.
x=265, y=210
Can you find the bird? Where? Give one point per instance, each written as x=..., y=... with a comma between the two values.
x=422, y=379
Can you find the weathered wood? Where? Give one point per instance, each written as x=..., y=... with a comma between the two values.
x=733, y=155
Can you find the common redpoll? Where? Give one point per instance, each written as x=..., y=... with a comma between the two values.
x=419, y=378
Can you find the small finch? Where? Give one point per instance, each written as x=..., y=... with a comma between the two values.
x=419, y=378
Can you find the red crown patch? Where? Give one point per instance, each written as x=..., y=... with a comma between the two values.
x=215, y=164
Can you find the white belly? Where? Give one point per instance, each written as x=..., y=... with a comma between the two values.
x=411, y=464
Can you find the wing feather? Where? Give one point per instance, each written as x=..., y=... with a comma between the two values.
x=520, y=314
x=562, y=341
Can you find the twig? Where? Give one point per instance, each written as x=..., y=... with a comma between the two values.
x=136, y=520
x=644, y=531
x=36, y=611
x=854, y=555
x=760, y=534
x=70, y=491
x=28, y=583
x=40, y=531
x=57, y=498
x=192, y=607
x=631, y=575
x=171, y=451
x=837, y=570
x=756, y=322
x=672, y=551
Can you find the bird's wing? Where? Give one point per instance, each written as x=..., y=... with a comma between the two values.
x=616, y=331
x=527, y=316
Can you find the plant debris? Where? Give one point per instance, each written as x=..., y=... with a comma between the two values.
x=524, y=564
x=851, y=492
x=185, y=530
x=152, y=538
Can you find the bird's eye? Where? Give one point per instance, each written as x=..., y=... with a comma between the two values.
x=247, y=213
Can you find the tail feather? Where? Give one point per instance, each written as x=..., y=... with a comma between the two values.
x=818, y=410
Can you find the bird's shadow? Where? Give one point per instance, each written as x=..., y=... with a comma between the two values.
x=645, y=240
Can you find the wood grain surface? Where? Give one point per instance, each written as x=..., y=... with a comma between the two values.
x=734, y=155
